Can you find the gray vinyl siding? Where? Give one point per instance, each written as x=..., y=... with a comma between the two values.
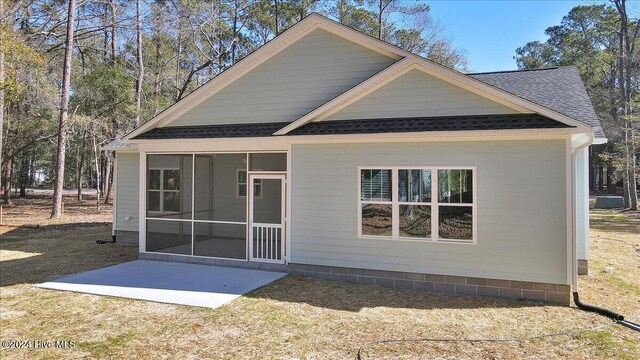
x=127, y=195
x=299, y=79
x=521, y=204
x=419, y=94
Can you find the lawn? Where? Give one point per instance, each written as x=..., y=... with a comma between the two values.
x=298, y=317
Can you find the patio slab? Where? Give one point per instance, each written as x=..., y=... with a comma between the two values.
x=167, y=282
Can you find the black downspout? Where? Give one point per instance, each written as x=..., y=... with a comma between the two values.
x=596, y=309
x=619, y=319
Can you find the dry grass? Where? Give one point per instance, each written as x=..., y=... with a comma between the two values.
x=305, y=318
x=34, y=211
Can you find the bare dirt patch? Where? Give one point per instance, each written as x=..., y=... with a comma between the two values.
x=25, y=215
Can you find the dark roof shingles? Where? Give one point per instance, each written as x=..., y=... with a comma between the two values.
x=361, y=126
x=560, y=89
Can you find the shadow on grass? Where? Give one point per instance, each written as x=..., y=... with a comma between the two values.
x=355, y=297
x=615, y=221
x=31, y=255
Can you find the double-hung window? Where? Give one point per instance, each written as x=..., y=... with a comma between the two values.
x=241, y=185
x=164, y=190
x=375, y=201
x=417, y=203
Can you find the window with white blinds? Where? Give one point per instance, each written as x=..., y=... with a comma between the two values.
x=417, y=203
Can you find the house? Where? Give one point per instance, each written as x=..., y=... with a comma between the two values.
x=332, y=154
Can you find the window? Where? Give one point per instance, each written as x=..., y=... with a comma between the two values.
x=375, y=197
x=164, y=190
x=417, y=203
x=455, y=204
x=241, y=185
x=414, y=203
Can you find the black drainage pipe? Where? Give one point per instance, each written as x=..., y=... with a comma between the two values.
x=619, y=319
x=596, y=309
x=113, y=240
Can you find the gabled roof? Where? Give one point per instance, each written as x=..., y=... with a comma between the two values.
x=485, y=85
x=273, y=47
x=558, y=88
x=361, y=126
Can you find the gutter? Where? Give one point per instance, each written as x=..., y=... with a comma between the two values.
x=574, y=242
x=619, y=319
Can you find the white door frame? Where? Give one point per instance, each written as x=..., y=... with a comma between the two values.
x=252, y=176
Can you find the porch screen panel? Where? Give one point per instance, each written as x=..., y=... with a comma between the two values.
x=216, y=180
x=220, y=240
x=171, y=237
x=268, y=162
x=169, y=182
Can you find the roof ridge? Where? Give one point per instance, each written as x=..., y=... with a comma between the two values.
x=516, y=70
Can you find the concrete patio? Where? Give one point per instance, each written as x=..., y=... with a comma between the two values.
x=167, y=282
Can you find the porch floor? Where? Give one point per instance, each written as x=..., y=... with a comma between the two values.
x=167, y=282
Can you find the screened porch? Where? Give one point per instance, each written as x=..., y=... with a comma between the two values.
x=220, y=205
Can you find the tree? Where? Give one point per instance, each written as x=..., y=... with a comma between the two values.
x=56, y=211
x=140, y=77
x=593, y=39
x=2, y=32
x=132, y=59
x=627, y=42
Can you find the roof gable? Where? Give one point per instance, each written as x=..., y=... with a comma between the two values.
x=416, y=93
x=300, y=78
x=405, y=61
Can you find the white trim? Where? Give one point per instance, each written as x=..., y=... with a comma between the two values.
x=142, y=198
x=114, y=213
x=434, y=204
x=282, y=226
x=193, y=203
x=573, y=197
x=278, y=143
x=287, y=249
x=568, y=208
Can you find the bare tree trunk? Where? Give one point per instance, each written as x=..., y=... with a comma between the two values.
x=600, y=175
x=1, y=89
x=23, y=177
x=277, y=16
x=64, y=112
x=380, y=9
x=80, y=166
x=108, y=180
x=624, y=79
x=6, y=186
x=611, y=182
x=592, y=172
x=235, y=32
x=140, y=63
x=114, y=30
x=97, y=164
x=177, y=77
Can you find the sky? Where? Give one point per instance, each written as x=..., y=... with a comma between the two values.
x=491, y=31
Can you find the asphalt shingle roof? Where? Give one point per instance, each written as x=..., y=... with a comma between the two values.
x=361, y=126
x=560, y=89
